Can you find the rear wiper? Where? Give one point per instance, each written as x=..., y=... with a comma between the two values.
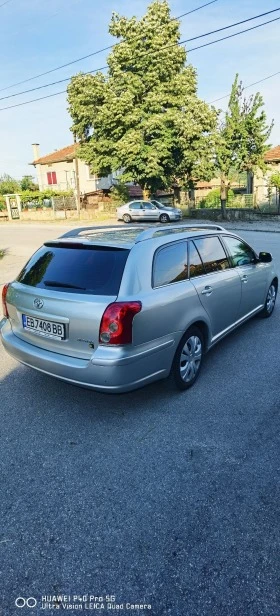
x=54, y=283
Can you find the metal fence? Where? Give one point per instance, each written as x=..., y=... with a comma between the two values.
x=234, y=201
x=64, y=203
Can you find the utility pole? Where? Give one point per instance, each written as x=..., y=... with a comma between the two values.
x=77, y=180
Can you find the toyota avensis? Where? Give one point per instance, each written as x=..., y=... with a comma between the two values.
x=116, y=308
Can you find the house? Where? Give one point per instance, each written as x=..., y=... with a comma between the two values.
x=262, y=189
x=57, y=171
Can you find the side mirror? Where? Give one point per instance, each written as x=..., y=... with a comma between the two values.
x=265, y=257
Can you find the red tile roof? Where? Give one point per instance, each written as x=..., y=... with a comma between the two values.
x=273, y=155
x=57, y=156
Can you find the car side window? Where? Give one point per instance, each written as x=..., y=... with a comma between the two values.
x=135, y=206
x=196, y=265
x=241, y=253
x=148, y=206
x=170, y=264
x=212, y=254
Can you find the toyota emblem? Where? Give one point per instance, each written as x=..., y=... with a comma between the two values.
x=38, y=303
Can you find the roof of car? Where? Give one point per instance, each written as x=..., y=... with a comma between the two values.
x=126, y=237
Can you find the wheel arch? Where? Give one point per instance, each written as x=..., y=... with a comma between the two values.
x=204, y=329
x=275, y=280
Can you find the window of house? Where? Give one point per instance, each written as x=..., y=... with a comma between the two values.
x=51, y=178
x=170, y=264
x=91, y=176
x=212, y=254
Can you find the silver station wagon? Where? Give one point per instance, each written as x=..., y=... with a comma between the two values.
x=116, y=308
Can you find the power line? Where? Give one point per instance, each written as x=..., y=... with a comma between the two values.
x=149, y=53
x=94, y=53
x=238, y=23
x=224, y=38
x=54, y=83
x=189, y=51
x=34, y=100
x=250, y=85
x=7, y=2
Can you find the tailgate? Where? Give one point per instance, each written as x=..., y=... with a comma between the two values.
x=66, y=323
x=59, y=297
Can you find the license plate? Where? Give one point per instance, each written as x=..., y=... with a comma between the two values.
x=41, y=327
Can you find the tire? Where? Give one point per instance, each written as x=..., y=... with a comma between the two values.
x=191, y=343
x=270, y=301
x=126, y=218
x=164, y=218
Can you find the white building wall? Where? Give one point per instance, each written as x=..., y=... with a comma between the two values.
x=65, y=175
x=261, y=184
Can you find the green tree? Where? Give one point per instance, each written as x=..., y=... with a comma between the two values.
x=144, y=117
x=8, y=185
x=27, y=183
x=242, y=138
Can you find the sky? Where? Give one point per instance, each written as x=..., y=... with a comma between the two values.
x=38, y=36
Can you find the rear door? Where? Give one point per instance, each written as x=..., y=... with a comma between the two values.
x=252, y=273
x=135, y=210
x=217, y=284
x=59, y=297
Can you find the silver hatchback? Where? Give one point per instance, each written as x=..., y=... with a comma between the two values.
x=116, y=308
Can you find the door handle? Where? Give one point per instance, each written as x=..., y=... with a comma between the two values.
x=244, y=278
x=207, y=291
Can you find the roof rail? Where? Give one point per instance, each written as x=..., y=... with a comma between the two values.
x=153, y=232
x=149, y=233
x=76, y=231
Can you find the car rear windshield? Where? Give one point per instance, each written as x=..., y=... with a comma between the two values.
x=95, y=270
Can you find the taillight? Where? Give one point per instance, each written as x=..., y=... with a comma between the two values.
x=4, y=303
x=116, y=323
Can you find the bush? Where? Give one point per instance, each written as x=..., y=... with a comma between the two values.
x=30, y=198
x=119, y=194
x=213, y=199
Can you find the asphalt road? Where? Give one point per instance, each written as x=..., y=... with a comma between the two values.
x=156, y=497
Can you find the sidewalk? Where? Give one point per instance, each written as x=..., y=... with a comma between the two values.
x=262, y=226
x=265, y=226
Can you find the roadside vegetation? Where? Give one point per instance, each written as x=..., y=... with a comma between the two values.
x=145, y=117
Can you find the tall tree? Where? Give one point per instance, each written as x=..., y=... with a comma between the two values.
x=242, y=139
x=144, y=117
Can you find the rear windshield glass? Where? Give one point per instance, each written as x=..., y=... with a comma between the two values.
x=92, y=269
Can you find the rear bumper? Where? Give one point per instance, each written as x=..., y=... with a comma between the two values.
x=111, y=370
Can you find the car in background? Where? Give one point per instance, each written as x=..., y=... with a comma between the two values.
x=147, y=210
x=113, y=308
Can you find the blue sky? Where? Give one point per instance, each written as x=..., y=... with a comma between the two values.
x=37, y=36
